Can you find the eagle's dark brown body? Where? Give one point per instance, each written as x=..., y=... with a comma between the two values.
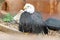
x=32, y=23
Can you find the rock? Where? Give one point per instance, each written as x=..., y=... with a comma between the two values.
x=53, y=24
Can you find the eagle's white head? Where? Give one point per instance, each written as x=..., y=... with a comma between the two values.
x=29, y=8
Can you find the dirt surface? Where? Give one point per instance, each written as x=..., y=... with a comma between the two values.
x=20, y=36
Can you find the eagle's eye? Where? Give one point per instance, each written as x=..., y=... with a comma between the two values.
x=28, y=6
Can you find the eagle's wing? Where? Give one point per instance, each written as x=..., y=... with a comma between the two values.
x=37, y=18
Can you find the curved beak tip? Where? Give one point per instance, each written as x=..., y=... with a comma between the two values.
x=24, y=8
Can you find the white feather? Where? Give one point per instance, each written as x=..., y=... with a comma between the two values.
x=29, y=8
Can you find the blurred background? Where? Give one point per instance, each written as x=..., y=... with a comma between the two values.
x=46, y=7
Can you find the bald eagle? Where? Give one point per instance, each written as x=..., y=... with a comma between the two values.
x=31, y=21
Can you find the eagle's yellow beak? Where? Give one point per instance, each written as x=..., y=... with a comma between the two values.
x=24, y=8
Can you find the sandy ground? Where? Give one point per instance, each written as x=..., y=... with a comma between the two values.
x=23, y=36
